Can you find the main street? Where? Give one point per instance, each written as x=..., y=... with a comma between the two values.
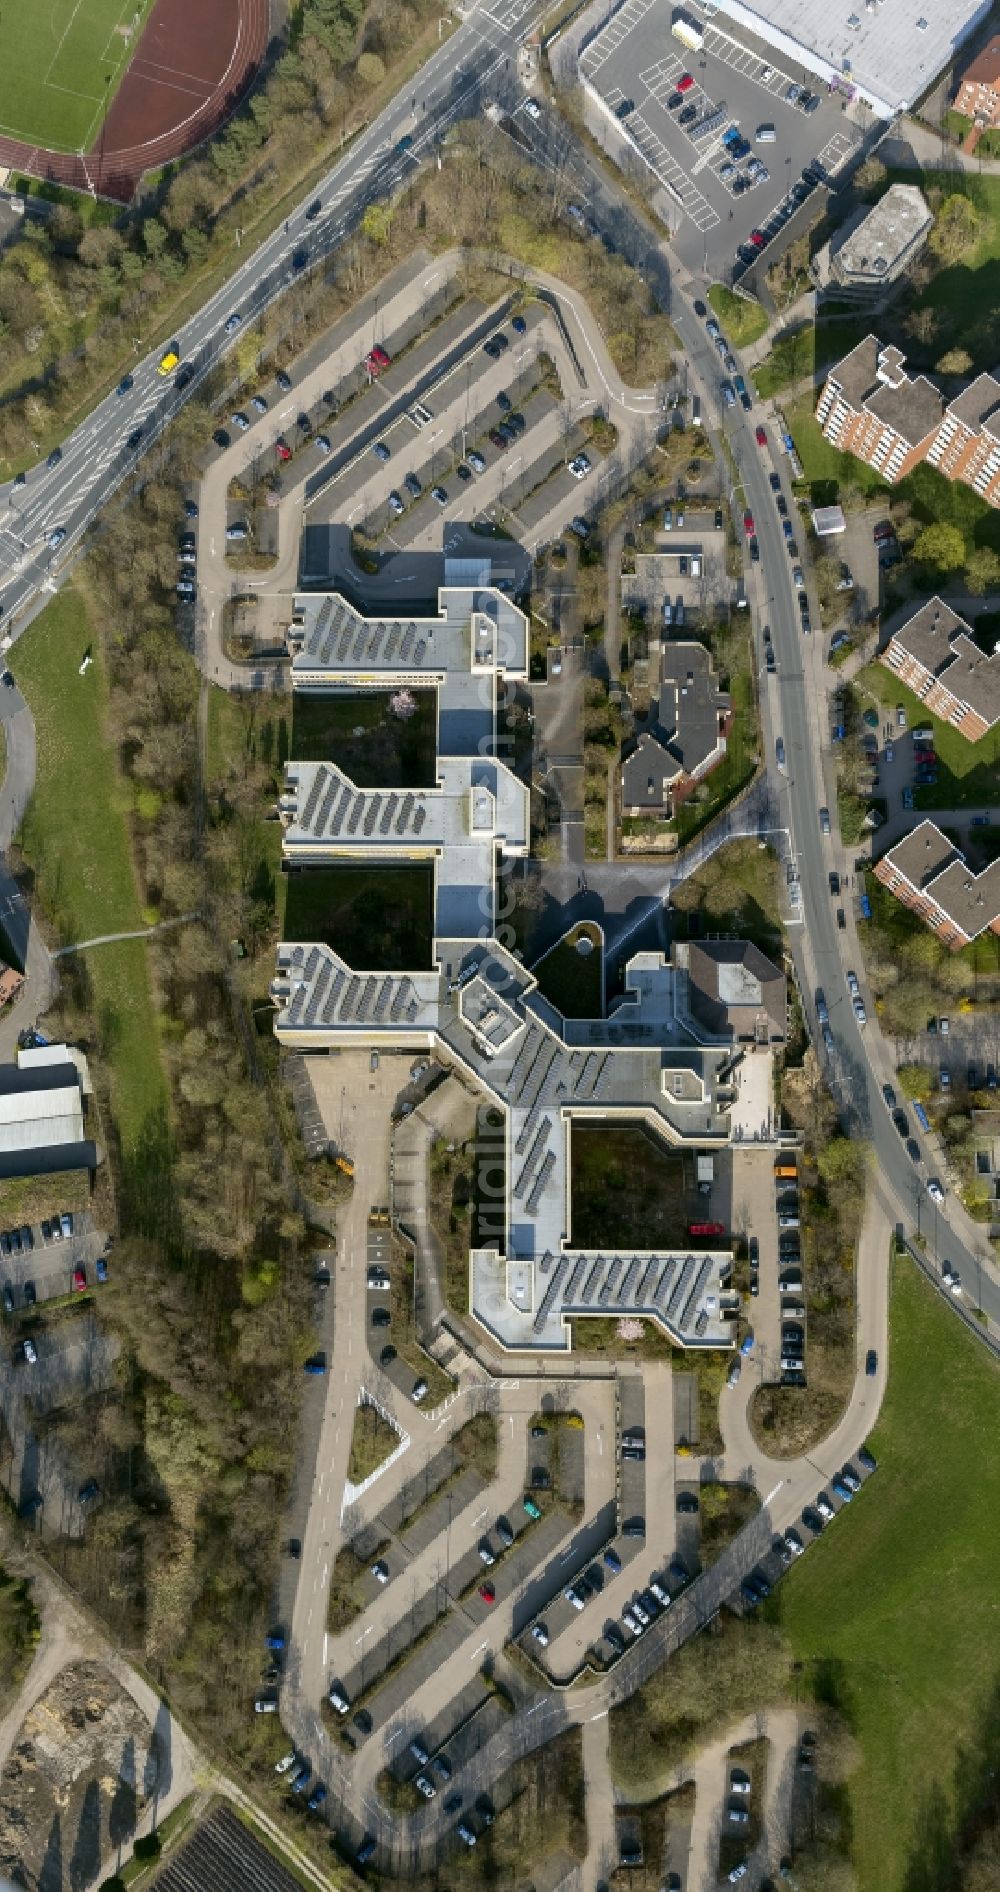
x=453, y=84
x=860, y=1063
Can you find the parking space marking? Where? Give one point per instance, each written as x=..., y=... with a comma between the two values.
x=835, y=153
x=671, y=175
x=733, y=53
x=611, y=38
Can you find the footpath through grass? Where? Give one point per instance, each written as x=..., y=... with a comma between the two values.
x=75, y=839
x=895, y=1612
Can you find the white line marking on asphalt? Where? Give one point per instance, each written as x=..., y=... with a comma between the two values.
x=326, y=1572
x=326, y=1645
x=534, y=1710
x=599, y=1716
x=774, y=1493
x=479, y=1651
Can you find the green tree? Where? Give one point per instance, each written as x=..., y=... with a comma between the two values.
x=958, y=226
x=842, y=1163
x=941, y=547
x=915, y=1081
x=955, y=361
x=982, y=570
x=871, y=175
x=371, y=68
x=376, y=223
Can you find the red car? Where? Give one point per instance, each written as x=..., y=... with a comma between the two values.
x=487, y=1592
x=748, y=524
x=377, y=360
x=761, y=437
x=685, y=82
x=79, y=1280
x=283, y=450
x=757, y=239
x=883, y=531
x=706, y=1228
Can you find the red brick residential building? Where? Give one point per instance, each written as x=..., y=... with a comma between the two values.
x=935, y=655
x=929, y=875
x=872, y=408
x=978, y=95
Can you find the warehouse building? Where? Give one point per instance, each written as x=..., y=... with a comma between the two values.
x=887, y=52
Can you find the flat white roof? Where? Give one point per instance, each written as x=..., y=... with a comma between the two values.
x=32, y=1120
x=890, y=49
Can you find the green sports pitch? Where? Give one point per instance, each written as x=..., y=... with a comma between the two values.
x=60, y=64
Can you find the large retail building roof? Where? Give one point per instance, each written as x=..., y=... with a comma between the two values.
x=890, y=50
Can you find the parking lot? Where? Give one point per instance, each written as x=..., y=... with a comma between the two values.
x=488, y=438
x=693, y=117
x=43, y=1261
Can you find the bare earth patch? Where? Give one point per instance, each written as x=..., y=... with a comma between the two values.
x=83, y=1766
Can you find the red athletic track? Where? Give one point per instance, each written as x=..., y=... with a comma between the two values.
x=192, y=65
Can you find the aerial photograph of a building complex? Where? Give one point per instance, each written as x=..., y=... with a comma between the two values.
x=499, y=946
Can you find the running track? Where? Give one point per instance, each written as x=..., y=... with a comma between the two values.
x=194, y=61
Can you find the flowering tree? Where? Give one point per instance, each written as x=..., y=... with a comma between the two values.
x=403, y=704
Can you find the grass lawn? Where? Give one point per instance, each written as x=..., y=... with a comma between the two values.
x=627, y=1188
x=744, y=321
x=362, y=735
x=75, y=839
x=245, y=729
x=737, y=891
x=811, y=347
x=574, y=981
x=865, y=1611
x=57, y=62
x=375, y=917
x=968, y=772
x=822, y=466
x=962, y=294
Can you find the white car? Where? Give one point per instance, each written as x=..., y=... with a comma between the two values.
x=793, y=1542
x=31, y=1356
x=824, y=1507
x=738, y=1872
x=425, y=1786
x=852, y=984
x=574, y=1597
x=934, y=1190
x=540, y=1634
x=798, y=578
x=738, y=1783
x=859, y=1011
x=380, y=1571
x=286, y=1761
x=477, y=463
x=321, y=444
x=532, y=109
x=395, y=504
x=580, y=467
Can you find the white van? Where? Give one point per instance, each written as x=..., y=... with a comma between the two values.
x=766, y=135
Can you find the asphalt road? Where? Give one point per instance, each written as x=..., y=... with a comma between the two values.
x=860, y=1062
x=454, y=83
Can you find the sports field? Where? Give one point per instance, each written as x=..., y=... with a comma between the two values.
x=60, y=63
